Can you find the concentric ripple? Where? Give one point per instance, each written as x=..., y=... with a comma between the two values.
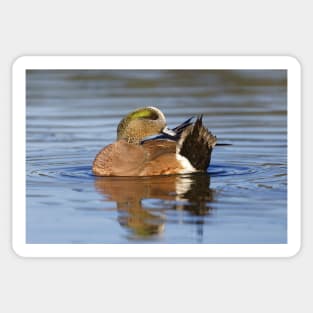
x=85, y=172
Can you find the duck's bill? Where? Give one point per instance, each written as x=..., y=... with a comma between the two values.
x=169, y=132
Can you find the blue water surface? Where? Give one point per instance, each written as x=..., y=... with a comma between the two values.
x=242, y=198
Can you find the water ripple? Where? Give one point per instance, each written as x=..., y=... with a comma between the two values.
x=83, y=171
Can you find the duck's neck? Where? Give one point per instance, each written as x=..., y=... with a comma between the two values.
x=130, y=139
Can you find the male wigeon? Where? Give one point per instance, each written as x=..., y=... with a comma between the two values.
x=184, y=149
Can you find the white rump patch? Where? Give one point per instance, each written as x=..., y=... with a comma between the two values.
x=187, y=167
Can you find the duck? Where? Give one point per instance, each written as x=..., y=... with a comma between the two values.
x=145, y=146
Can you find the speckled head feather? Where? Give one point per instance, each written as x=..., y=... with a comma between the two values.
x=141, y=123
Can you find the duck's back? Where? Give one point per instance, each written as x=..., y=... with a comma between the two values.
x=161, y=158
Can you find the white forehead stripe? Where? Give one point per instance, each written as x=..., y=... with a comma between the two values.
x=158, y=111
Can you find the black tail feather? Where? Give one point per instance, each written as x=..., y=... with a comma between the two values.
x=196, y=144
x=223, y=144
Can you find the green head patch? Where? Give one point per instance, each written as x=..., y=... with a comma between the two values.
x=144, y=113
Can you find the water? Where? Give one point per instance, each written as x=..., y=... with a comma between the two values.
x=71, y=115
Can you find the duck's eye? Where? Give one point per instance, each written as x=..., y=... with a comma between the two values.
x=146, y=114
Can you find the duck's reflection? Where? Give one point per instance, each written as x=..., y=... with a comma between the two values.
x=174, y=192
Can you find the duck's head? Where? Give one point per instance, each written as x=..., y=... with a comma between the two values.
x=142, y=123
